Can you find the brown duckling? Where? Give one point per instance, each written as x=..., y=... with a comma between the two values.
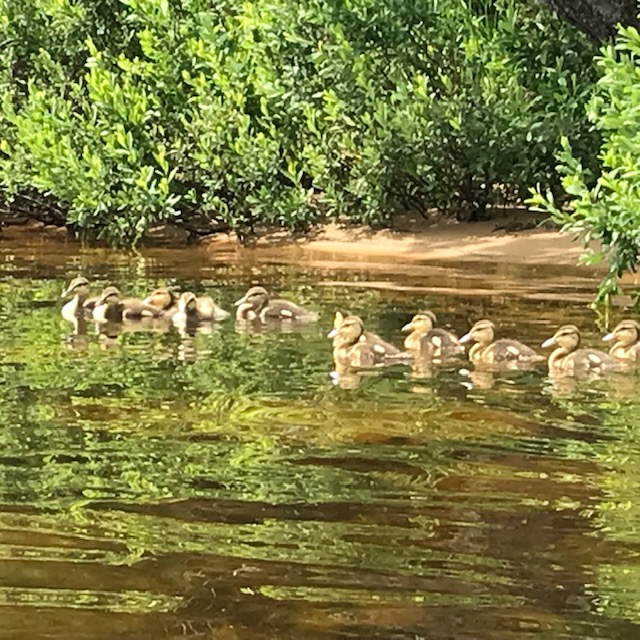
x=352, y=349
x=426, y=339
x=164, y=299
x=167, y=301
x=489, y=351
x=80, y=304
x=372, y=339
x=627, y=341
x=111, y=307
x=256, y=304
x=569, y=359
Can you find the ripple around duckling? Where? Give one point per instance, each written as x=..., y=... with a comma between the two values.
x=158, y=484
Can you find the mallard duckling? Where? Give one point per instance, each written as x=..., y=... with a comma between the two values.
x=627, y=341
x=372, y=339
x=256, y=304
x=110, y=307
x=569, y=359
x=167, y=301
x=425, y=339
x=80, y=304
x=352, y=349
x=489, y=351
x=164, y=299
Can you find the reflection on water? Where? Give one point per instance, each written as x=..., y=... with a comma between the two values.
x=224, y=483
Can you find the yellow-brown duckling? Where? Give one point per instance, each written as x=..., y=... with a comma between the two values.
x=80, y=303
x=426, y=340
x=164, y=299
x=256, y=304
x=111, y=307
x=503, y=352
x=626, y=337
x=351, y=347
x=372, y=339
x=570, y=360
x=167, y=301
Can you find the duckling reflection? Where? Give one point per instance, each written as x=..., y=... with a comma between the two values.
x=501, y=355
x=568, y=359
x=427, y=341
x=256, y=304
x=80, y=304
x=78, y=339
x=626, y=341
x=111, y=307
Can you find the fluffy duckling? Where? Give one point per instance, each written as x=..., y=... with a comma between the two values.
x=256, y=304
x=80, y=304
x=426, y=339
x=167, y=301
x=372, y=339
x=111, y=307
x=164, y=299
x=489, y=351
x=627, y=341
x=569, y=359
x=351, y=347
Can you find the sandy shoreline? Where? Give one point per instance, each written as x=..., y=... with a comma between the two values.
x=464, y=242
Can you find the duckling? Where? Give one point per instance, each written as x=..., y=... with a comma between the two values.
x=372, y=339
x=110, y=307
x=256, y=304
x=503, y=352
x=187, y=314
x=167, y=301
x=164, y=299
x=627, y=341
x=80, y=304
x=424, y=338
x=351, y=348
x=208, y=310
x=569, y=359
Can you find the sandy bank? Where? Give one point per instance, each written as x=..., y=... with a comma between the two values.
x=417, y=240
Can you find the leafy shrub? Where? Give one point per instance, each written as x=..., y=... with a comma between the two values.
x=604, y=205
x=278, y=111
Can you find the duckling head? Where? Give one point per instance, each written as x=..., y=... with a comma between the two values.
x=162, y=298
x=482, y=332
x=77, y=287
x=422, y=322
x=109, y=296
x=349, y=333
x=254, y=300
x=187, y=302
x=626, y=333
x=566, y=337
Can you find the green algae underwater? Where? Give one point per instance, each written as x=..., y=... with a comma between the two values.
x=223, y=486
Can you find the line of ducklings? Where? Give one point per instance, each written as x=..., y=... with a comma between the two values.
x=182, y=310
x=355, y=348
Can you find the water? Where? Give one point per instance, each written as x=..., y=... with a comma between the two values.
x=223, y=487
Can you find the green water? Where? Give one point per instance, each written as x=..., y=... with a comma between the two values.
x=222, y=486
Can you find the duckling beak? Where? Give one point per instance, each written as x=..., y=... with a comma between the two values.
x=407, y=327
x=609, y=337
x=465, y=338
x=332, y=333
x=549, y=342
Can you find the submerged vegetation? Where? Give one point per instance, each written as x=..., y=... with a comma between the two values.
x=122, y=114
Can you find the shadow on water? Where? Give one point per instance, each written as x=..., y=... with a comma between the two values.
x=220, y=484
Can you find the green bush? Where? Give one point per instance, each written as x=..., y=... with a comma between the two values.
x=281, y=111
x=604, y=205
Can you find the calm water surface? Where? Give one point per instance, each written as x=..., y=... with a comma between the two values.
x=221, y=486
